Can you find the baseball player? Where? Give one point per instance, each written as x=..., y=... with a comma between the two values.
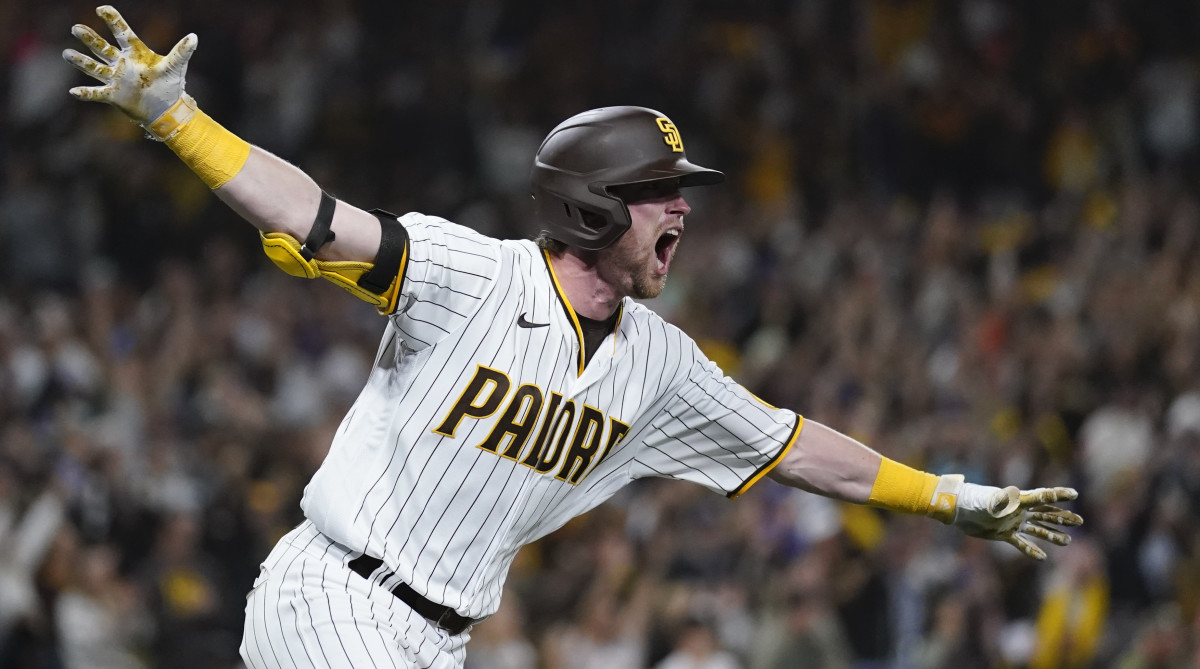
x=517, y=384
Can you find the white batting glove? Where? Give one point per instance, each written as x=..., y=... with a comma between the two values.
x=1007, y=514
x=136, y=80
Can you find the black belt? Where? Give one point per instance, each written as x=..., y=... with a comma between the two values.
x=442, y=616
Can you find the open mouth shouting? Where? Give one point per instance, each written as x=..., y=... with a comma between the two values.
x=665, y=247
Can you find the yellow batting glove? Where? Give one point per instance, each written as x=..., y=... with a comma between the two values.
x=139, y=82
x=1007, y=514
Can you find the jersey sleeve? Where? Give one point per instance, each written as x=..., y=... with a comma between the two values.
x=448, y=271
x=716, y=433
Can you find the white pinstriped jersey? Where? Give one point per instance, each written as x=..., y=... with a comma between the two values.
x=480, y=430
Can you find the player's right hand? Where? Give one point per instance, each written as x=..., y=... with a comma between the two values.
x=135, y=80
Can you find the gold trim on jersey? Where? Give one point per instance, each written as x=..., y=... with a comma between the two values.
x=562, y=296
x=617, y=326
x=569, y=309
x=774, y=461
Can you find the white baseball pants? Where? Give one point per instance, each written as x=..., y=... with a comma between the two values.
x=307, y=609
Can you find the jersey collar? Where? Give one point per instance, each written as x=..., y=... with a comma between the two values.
x=572, y=317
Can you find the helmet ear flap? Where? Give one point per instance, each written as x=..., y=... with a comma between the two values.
x=590, y=225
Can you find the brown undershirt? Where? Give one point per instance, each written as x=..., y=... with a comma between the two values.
x=594, y=332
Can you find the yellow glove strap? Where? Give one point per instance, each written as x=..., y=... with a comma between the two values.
x=898, y=487
x=212, y=152
x=944, y=503
x=165, y=126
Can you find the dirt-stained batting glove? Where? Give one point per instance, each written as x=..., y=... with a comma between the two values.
x=135, y=80
x=1007, y=514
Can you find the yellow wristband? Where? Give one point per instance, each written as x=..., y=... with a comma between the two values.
x=901, y=488
x=212, y=152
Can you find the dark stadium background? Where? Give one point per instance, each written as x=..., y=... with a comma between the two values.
x=963, y=232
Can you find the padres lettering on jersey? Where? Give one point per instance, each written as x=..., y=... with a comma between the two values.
x=489, y=388
x=479, y=430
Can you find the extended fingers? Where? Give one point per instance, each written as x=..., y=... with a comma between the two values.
x=1052, y=514
x=1026, y=546
x=1042, y=532
x=120, y=29
x=179, y=55
x=92, y=93
x=89, y=66
x=1047, y=495
x=95, y=42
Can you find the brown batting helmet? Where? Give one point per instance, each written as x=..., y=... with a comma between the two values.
x=589, y=153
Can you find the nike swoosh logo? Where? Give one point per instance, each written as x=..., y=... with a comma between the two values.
x=523, y=322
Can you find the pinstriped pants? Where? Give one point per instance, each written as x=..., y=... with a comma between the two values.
x=307, y=609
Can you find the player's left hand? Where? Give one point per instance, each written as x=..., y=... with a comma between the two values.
x=1013, y=516
x=135, y=80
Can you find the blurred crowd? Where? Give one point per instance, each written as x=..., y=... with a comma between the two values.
x=962, y=231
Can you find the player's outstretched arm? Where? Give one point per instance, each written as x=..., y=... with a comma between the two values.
x=829, y=463
x=273, y=195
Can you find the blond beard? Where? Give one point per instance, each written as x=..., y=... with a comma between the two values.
x=632, y=275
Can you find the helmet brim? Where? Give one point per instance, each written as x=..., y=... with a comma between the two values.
x=688, y=173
